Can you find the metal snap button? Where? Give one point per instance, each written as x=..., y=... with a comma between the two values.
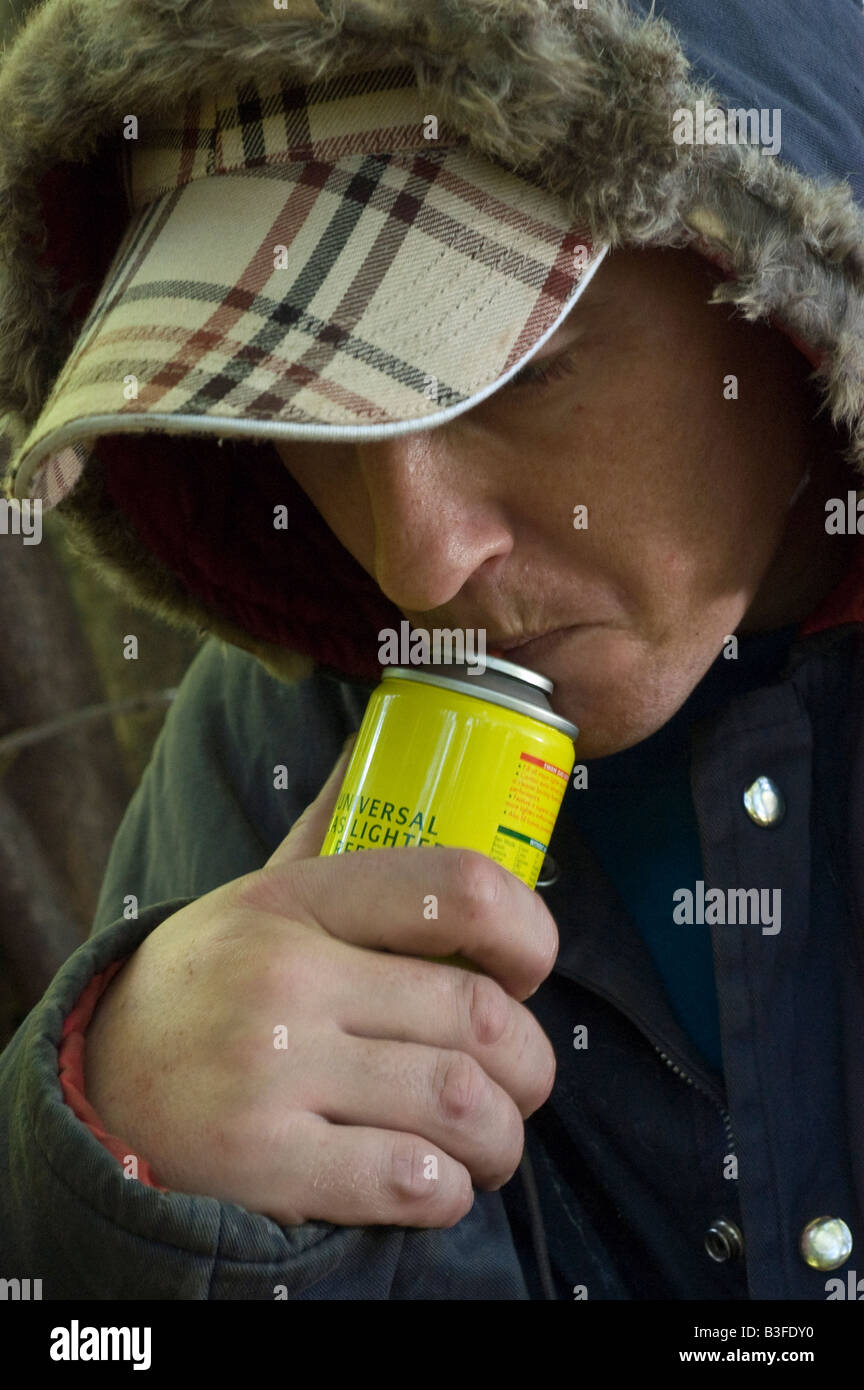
x=723, y=1240
x=826, y=1242
x=763, y=802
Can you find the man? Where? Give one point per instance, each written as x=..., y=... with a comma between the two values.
x=538, y=339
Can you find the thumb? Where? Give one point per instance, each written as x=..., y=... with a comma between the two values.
x=306, y=836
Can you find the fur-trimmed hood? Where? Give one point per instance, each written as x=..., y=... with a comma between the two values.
x=581, y=98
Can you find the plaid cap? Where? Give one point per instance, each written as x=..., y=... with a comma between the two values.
x=323, y=261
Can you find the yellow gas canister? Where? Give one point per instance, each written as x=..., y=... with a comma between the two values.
x=444, y=756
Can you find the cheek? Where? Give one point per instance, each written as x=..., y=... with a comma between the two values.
x=678, y=518
x=346, y=512
x=691, y=589
x=336, y=491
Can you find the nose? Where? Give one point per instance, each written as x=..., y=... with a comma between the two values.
x=436, y=514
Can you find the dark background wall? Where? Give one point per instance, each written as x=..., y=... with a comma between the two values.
x=68, y=766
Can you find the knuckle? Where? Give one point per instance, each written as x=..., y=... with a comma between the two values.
x=275, y=973
x=243, y=1051
x=460, y=1086
x=272, y=891
x=236, y=968
x=251, y=890
x=478, y=883
x=238, y=1131
x=487, y=1005
x=296, y=979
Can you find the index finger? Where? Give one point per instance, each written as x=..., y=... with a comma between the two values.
x=419, y=900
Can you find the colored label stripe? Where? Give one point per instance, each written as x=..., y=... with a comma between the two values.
x=538, y=762
x=516, y=835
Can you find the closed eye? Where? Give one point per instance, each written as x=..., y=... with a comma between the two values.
x=541, y=373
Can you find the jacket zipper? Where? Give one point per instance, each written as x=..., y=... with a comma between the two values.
x=536, y=1218
x=679, y=1071
x=727, y=1119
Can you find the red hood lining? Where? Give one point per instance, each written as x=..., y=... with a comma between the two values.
x=207, y=512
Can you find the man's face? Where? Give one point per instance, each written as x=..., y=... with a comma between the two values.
x=689, y=534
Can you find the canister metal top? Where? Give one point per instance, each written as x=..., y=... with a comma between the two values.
x=501, y=683
x=521, y=673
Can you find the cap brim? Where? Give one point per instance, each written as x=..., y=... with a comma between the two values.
x=355, y=298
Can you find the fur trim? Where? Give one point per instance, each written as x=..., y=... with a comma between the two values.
x=580, y=100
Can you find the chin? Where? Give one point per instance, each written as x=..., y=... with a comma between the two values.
x=605, y=728
x=618, y=694
x=601, y=742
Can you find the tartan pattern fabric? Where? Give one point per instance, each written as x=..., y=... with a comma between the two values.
x=62, y=472
x=304, y=261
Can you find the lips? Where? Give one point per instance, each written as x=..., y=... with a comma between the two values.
x=513, y=646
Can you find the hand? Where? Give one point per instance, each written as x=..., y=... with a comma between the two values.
x=282, y=1044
